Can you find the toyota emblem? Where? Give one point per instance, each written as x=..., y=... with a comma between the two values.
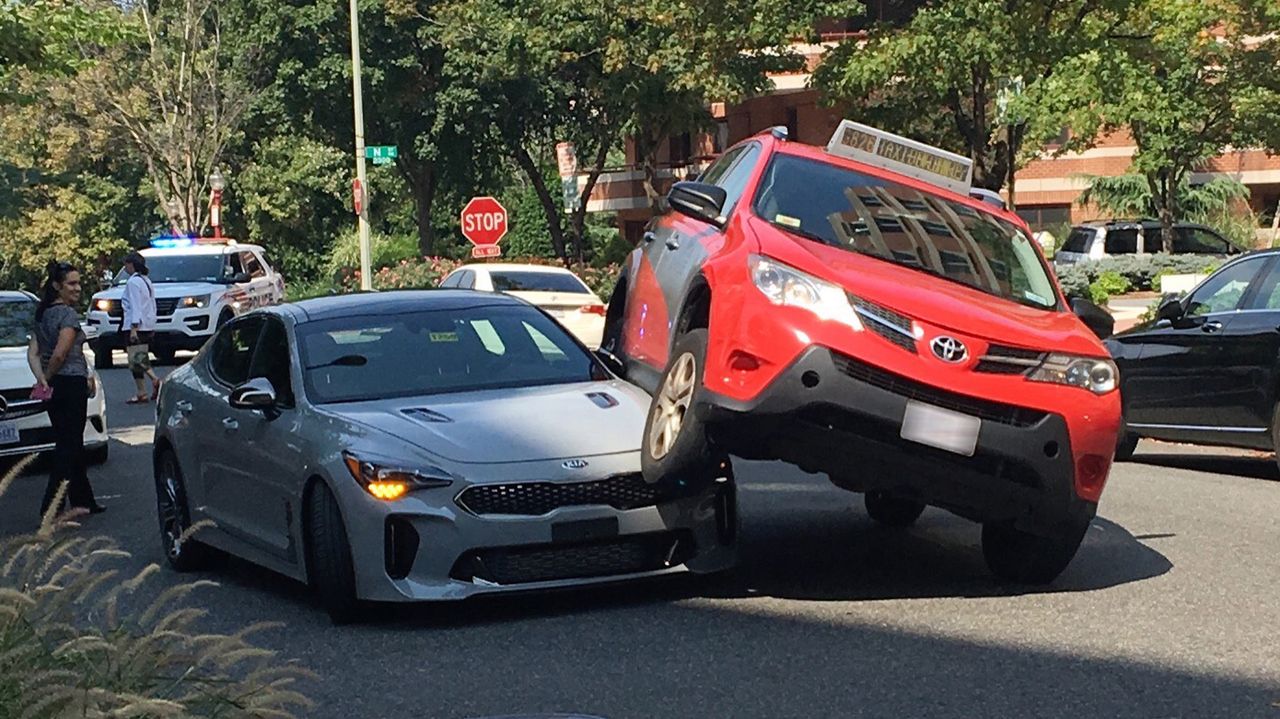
x=574, y=464
x=949, y=349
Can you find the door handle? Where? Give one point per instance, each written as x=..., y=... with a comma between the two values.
x=182, y=406
x=230, y=425
x=1211, y=326
x=650, y=236
x=673, y=243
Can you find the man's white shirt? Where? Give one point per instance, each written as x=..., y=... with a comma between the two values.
x=139, y=304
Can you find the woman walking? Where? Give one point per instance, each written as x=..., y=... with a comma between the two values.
x=56, y=357
x=140, y=321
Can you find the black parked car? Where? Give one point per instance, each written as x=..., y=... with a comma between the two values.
x=1207, y=368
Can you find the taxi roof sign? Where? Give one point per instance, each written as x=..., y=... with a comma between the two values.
x=902, y=155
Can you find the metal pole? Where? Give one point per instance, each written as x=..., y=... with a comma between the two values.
x=366, y=278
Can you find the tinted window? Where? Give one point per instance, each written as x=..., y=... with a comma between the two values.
x=1152, y=240
x=735, y=180
x=533, y=281
x=1268, y=295
x=17, y=317
x=431, y=352
x=232, y=351
x=1198, y=241
x=1121, y=242
x=467, y=280
x=271, y=360
x=1223, y=291
x=451, y=280
x=889, y=221
x=1079, y=241
x=180, y=268
x=721, y=167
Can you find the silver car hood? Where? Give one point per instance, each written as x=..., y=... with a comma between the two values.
x=513, y=425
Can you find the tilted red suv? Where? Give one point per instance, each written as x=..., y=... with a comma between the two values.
x=853, y=310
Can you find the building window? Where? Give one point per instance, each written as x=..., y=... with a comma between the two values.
x=1046, y=217
x=681, y=149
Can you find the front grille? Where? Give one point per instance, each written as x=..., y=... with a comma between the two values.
x=885, y=322
x=17, y=394
x=1000, y=359
x=166, y=306
x=627, y=491
x=24, y=408
x=911, y=389
x=551, y=562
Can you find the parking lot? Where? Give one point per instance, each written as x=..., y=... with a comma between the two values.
x=1169, y=610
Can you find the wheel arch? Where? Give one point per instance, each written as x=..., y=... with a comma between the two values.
x=695, y=308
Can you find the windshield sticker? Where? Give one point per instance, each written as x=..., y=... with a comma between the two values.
x=787, y=220
x=1036, y=298
x=444, y=336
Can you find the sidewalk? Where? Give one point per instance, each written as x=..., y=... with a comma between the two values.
x=1126, y=309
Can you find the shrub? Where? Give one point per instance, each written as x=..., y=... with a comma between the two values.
x=1109, y=283
x=71, y=646
x=384, y=251
x=1140, y=270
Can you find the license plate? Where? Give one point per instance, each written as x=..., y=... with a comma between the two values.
x=941, y=428
x=8, y=434
x=584, y=530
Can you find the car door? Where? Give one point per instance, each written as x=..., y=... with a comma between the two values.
x=1175, y=387
x=1251, y=360
x=270, y=448
x=225, y=475
x=258, y=289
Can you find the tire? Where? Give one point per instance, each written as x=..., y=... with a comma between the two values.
x=892, y=511
x=1026, y=558
x=98, y=455
x=175, y=518
x=102, y=358
x=675, y=448
x=329, y=556
x=1125, y=447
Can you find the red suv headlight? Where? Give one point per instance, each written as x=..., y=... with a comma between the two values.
x=785, y=285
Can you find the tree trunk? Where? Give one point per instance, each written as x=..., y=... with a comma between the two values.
x=578, y=220
x=647, y=143
x=549, y=207
x=421, y=176
x=1167, y=189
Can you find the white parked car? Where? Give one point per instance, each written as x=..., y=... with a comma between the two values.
x=559, y=292
x=24, y=424
x=199, y=287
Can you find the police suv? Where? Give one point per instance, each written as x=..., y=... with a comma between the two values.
x=199, y=286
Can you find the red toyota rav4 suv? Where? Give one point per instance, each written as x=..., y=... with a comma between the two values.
x=853, y=310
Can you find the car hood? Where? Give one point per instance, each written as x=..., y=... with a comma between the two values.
x=164, y=289
x=947, y=305
x=512, y=425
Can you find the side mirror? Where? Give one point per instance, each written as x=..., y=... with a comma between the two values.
x=1094, y=317
x=1170, y=308
x=611, y=361
x=257, y=393
x=698, y=200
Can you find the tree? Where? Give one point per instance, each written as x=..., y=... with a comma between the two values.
x=1215, y=202
x=1188, y=79
x=985, y=78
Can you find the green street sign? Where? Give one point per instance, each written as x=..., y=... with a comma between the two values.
x=381, y=154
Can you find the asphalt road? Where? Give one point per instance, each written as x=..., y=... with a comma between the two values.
x=1169, y=610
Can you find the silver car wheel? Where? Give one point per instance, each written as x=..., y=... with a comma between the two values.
x=171, y=512
x=673, y=402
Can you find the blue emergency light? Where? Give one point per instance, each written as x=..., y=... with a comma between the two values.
x=171, y=241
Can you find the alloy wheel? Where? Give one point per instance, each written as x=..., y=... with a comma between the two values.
x=172, y=523
x=674, y=400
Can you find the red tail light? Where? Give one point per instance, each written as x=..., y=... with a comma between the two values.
x=592, y=310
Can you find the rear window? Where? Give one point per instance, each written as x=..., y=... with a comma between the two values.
x=1078, y=241
x=1121, y=242
x=531, y=281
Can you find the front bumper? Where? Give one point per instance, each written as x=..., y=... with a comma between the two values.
x=832, y=413
x=183, y=330
x=35, y=434
x=429, y=546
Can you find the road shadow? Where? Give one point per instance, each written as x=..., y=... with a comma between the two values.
x=1233, y=465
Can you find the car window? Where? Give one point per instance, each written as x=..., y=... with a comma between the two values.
x=17, y=318
x=468, y=280
x=407, y=354
x=1223, y=291
x=1198, y=241
x=735, y=180
x=1121, y=242
x=720, y=167
x=232, y=351
x=234, y=265
x=271, y=360
x=252, y=266
x=533, y=281
x=1152, y=240
x=1268, y=295
x=1079, y=241
x=451, y=280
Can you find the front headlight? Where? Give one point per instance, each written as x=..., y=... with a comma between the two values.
x=1097, y=375
x=390, y=481
x=196, y=302
x=103, y=305
x=785, y=285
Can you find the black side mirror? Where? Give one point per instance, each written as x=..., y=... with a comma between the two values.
x=1170, y=308
x=611, y=361
x=257, y=393
x=698, y=200
x=1094, y=317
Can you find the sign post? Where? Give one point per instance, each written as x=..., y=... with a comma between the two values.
x=484, y=224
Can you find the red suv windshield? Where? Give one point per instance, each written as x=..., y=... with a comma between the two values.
x=890, y=221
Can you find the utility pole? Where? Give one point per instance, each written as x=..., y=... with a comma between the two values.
x=361, y=202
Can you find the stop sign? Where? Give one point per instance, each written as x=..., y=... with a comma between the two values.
x=484, y=221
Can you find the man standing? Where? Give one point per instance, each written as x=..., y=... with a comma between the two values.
x=140, y=321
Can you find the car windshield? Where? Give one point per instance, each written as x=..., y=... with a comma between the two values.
x=182, y=268
x=890, y=221
x=534, y=281
x=368, y=357
x=17, y=317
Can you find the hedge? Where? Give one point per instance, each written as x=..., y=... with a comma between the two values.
x=1142, y=273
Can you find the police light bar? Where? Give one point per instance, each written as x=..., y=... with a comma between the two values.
x=902, y=155
x=170, y=242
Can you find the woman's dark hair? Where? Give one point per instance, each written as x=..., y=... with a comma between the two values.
x=56, y=272
x=139, y=263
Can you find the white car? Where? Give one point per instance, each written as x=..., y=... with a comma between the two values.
x=199, y=287
x=559, y=292
x=24, y=424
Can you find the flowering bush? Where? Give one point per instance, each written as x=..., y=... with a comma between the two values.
x=429, y=271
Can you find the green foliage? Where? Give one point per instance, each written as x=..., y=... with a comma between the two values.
x=1219, y=203
x=429, y=271
x=1139, y=272
x=79, y=638
x=384, y=251
x=1108, y=283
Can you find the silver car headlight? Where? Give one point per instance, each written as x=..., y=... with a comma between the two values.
x=785, y=285
x=195, y=302
x=390, y=481
x=1095, y=374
